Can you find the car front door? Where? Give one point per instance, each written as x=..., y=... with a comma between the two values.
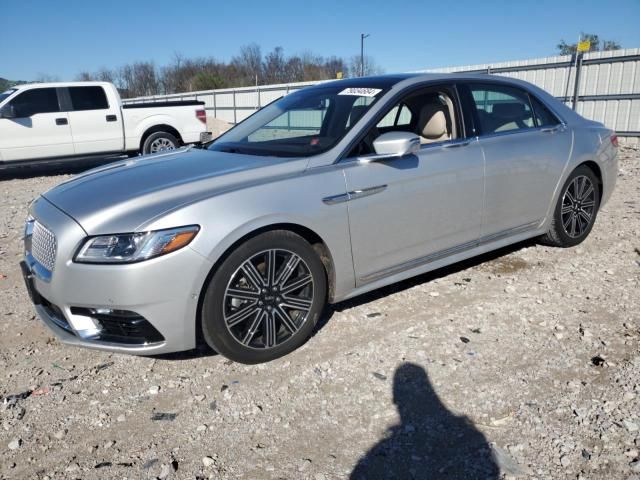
x=526, y=148
x=96, y=126
x=410, y=211
x=33, y=127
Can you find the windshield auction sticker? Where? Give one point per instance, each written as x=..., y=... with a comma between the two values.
x=361, y=92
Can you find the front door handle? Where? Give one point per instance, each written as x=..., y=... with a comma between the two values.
x=551, y=129
x=112, y=118
x=62, y=121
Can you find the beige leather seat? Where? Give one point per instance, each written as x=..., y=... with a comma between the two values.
x=432, y=123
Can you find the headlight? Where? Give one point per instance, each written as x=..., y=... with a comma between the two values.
x=134, y=247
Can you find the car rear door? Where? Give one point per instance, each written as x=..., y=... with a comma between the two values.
x=96, y=126
x=410, y=211
x=526, y=148
x=39, y=129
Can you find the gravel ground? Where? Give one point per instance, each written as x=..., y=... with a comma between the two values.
x=522, y=363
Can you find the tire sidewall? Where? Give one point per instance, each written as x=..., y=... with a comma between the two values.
x=564, y=237
x=146, y=146
x=214, y=330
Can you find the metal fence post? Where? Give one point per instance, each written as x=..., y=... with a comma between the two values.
x=576, y=85
x=215, y=113
x=235, y=119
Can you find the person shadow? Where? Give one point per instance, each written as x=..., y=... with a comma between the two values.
x=430, y=442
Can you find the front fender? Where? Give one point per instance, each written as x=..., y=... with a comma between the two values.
x=228, y=217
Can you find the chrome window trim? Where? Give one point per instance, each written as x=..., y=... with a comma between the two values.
x=559, y=127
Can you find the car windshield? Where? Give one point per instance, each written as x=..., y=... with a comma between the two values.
x=6, y=94
x=301, y=124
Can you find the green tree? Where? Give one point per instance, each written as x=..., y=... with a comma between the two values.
x=597, y=44
x=207, y=81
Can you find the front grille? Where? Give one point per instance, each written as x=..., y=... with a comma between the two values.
x=43, y=246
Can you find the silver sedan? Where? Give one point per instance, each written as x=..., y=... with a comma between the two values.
x=325, y=194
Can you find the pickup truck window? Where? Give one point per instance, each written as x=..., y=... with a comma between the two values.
x=88, y=98
x=36, y=100
x=6, y=94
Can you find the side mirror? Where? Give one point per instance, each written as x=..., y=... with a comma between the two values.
x=8, y=111
x=393, y=145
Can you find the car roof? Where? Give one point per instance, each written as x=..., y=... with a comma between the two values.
x=25, y=86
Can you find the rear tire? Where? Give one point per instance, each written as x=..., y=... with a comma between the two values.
x=159, y=142
x=576, y=209
x=265, y=298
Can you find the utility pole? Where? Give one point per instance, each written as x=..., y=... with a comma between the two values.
x=362, y=37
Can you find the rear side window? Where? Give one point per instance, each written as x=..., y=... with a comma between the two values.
x=501, y=108
x=36, y=100
x=544, y=117
x=88, y=98
x=398, y=116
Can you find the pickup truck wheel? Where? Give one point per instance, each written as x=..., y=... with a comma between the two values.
x=265, y=298
x=159, y=142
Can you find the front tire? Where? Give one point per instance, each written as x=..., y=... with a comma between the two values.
x=576, y=209
x=159, y=142
x=265, y=298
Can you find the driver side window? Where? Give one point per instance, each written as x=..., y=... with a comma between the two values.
x=36, y=100
x=428, y=113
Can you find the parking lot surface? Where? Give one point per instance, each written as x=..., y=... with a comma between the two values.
x=522, y=363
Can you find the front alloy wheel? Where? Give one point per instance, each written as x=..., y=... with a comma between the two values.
x=265, y=298
x=268, y=299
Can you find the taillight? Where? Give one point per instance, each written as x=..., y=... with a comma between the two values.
x=202, y=116
x=614, y=140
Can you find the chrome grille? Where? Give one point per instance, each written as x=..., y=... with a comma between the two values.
x=43, y=246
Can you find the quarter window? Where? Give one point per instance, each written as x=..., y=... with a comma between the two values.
x=88, y=98
x=544, y=117
x=501, y=108
x=395, y=119
x=36, y=100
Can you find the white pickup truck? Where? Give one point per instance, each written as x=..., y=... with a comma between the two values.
x=77, y=120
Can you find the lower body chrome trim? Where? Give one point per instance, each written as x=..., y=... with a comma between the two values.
x=418, y=262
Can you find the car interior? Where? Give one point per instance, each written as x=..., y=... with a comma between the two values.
x=430, y=115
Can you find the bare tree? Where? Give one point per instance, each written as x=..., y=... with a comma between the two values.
x=369, y=68
x=249, y=63
x=274, y=67
x=188, y=74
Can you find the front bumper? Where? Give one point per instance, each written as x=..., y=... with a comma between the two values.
x=143, y=308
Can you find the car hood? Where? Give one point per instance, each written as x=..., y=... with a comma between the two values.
x=123, y=196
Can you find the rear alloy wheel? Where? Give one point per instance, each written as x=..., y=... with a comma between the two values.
x=159, y=142
x=576, y=210
x=265, y=298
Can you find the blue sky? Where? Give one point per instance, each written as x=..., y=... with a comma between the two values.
x=61, y=38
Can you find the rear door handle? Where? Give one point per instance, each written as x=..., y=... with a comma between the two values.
x=62, y=121
x=551, y=129
x=112, y=118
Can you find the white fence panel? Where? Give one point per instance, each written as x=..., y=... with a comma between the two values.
x=614, y=74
